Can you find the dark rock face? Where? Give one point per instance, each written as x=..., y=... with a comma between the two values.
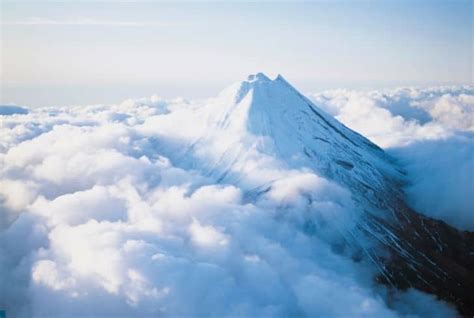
x=431, y=256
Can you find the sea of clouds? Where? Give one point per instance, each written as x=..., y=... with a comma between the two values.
x=98, y=216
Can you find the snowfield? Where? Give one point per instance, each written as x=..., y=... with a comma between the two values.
x=246, y=204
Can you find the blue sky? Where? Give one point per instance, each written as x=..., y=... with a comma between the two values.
x=59, y=53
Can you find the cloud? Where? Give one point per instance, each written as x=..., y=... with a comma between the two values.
x=441, y=178
x=402, y=116
x=101, y=216
x=453, y=111
x=425, y=305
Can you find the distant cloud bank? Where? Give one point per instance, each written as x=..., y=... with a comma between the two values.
x=400, y=117
x=97, y=217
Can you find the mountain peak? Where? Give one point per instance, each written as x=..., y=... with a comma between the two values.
x=260, y=106
x=262, y=78
x=255, y=82
x=259, y=77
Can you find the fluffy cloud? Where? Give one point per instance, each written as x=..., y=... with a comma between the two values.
x=402, y=116
x=441, y=178
x=99, y=217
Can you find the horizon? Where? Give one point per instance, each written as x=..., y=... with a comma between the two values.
x=114, y=94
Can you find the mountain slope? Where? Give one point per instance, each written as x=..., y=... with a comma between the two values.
x=272, y=119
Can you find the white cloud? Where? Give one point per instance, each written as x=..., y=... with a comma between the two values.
x=402, y=116
x=442, y=178
x=206, y=235
x=455, y=112
x=108, y=221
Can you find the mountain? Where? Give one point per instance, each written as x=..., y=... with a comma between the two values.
x=12, y=109
x=272, y=119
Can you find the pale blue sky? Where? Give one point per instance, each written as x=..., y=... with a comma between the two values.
x=70, y=52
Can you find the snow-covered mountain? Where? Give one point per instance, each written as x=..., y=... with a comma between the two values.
x=261, y=123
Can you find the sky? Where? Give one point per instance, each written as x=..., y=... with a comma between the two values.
x=68, y=52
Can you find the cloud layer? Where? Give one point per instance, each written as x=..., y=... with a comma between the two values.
x=441, y=178
x=99, y=217
x=400, y=117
